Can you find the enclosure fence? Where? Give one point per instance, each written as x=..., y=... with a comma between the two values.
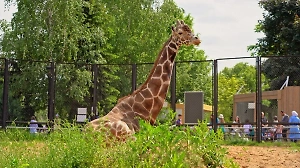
x=51, y=87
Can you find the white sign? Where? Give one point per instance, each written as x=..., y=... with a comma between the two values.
x=81, y=118
x=82, y=111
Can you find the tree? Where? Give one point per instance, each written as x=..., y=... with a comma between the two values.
x=193, y=76
x=83, y=32
x=246, y=73
x=141, y=28
x=280, y=25
x=60, y=31
x=245, y=76
x=228, y=86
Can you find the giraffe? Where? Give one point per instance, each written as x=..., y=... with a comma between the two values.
x=147, y=101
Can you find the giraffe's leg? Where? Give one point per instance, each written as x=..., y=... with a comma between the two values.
x=133, y=124
x=117, y=128
x=121, y=130
x=97, y=124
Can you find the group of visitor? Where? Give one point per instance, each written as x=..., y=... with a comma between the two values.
x=283, y=132
x=276, y=131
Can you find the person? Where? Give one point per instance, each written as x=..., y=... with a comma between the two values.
x=278, y=132
x=263, y=124
x=275, y=120
x=276, y=129
x=212, y=118
x=248, y=128
x=237, y=120
x=211, y=121
x=33, y=125
x=294, y=133
x=235, y=129
x=179, y=120
x=285, y=119
x=222, y=121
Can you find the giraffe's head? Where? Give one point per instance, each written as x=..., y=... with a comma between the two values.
x=182, y=34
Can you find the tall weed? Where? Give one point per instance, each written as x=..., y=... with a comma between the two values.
x=155, y=146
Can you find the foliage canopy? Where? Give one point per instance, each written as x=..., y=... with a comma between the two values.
x=85, y=32
x=280, y=25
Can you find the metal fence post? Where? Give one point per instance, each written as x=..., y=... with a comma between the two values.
x=215, y=95
x=51, y=93
x=173, y=88
x=258, y=99
x=95, y=70
x=5, y=94
x=133, y=77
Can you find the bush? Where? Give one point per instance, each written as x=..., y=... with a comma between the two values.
x=159, y=146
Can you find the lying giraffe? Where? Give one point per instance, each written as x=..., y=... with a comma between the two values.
x=147, y=101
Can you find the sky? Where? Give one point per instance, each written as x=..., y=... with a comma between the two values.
x=6, y=13
x=226, y=27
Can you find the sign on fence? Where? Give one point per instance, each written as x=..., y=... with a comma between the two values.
x=81, y=114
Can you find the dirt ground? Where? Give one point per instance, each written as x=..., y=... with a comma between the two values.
x=264, y=157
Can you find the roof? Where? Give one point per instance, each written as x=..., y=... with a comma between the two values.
x=207, y=108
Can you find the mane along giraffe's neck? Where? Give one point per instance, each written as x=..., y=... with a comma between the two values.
x=149, y=97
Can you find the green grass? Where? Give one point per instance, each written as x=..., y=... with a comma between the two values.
x=157, y=146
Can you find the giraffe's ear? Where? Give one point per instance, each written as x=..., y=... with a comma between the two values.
x=182, y=22
x=173, y=28
x=178, y=23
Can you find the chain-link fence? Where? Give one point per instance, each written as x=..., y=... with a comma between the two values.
x=280, y=93
x=236, y=89
x=249, y=86
x=24, y=89
x=263, y=87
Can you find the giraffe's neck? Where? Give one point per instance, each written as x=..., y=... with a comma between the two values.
x=150, y=96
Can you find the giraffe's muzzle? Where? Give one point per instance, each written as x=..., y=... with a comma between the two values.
x=195, y=40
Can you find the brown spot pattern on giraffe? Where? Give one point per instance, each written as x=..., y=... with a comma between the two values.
x=148, y=103
x=154, y=85
x=171, y=53
x=157, y=71
x=164, y=56
x=146, y=93
x=163, y=91
x=186, y=28
x=167, y=68
x=123, y=106
x=140, y=110
x=139, y=98
x=172, y=46
x=130, y=101
x=165, y=77
x=156, y=108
